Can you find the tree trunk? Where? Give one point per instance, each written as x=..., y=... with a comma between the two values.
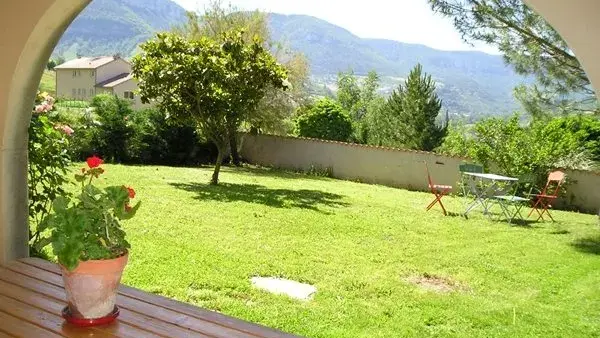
x=233, y=144
x=215, y=175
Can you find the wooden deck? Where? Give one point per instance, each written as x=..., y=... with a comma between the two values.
x=32, y=297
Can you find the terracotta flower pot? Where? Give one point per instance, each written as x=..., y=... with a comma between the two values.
x=92, y=287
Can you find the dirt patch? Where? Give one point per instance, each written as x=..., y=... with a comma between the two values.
x=434, y=283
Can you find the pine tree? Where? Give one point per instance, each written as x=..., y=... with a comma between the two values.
x=531, y=46
x=408, y=118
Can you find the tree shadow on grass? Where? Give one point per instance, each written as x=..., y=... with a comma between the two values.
x=254, y=193
x=589, y=245
x=273, y=172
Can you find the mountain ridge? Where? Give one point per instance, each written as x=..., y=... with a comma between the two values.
x=469, y=82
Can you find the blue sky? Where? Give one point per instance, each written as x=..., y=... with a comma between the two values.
x=409, y=21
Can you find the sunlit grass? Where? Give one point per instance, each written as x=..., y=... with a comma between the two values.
x=48, y=82
x=357, y=244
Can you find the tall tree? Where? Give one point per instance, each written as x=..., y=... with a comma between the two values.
x=530, y=45
x=273, y=113
x=208, y=83
x=348, y=93
x=355, y=95
x=358, y=98
x=408, y=118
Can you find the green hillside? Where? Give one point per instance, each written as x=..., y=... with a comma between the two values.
x=48, y=82
x=107, y=27
x=470, y=83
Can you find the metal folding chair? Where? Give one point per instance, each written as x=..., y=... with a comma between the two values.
x=517, y=202
x=438, y=190
x=468, y=185
x=544, y=200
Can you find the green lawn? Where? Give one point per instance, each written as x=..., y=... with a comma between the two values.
x=359, y=245
x=48, y=82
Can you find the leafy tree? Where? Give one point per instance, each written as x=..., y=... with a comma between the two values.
x=358, y=98
x=51, y=64
x=408, y=118
x=207, y=83
x=273, y=112
x=348, y=94
x=528, y=43
x=325, y=120
x=355, y=96
x=574, y=132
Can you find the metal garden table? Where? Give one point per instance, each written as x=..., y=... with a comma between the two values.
x=490, y=185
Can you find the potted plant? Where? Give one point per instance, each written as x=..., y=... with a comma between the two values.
x=89, y=242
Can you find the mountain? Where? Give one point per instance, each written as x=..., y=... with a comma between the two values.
x=469, y=83
x=107, y=27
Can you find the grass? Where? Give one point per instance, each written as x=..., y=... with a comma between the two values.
x=48, y=82
x=360, y=245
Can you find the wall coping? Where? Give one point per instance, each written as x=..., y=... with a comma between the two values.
x=357, y=145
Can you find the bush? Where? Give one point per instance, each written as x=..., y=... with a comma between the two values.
x=582, y=130
x=110, y=140
x=110, y=129
x=517, y=149
x=155, y=141
x=325, y=120
x=48, y=162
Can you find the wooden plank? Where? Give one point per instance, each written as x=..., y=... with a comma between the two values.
x=18, y=328
x=54, y=307
x=146, y=307
x=130, y=323
x=5, y=335
x=43, y=319
x=188, y=309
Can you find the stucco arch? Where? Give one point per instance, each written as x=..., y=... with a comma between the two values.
x=29, y=30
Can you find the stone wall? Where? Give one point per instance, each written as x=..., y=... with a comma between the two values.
x=388, y=166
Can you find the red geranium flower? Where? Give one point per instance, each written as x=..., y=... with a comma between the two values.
x=131, y=192
x=94, y=161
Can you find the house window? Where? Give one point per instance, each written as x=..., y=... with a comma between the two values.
x=92, y=73
x=83, y=91
x=74, y=92
x=128, y=95
x=78, y=91
x=78, y=73
x=92, y=92
x=74, y=73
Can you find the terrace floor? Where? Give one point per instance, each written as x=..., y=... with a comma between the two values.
x=32, y=298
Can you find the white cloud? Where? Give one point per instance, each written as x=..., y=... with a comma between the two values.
x=410, y=21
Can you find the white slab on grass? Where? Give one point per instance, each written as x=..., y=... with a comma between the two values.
x=287, y=287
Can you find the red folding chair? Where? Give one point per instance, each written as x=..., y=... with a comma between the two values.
x=544, y=200
x=438, y=190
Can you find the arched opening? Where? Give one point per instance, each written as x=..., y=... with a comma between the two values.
x=33, y=30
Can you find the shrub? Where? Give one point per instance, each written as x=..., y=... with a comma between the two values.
x=110, y=138
x=582, y=130
x=82, y=145
x=325, y=120
x=517, y=149
x=48, y=161
x=155, y=141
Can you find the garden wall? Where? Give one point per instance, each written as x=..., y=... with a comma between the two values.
x=386, y=166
